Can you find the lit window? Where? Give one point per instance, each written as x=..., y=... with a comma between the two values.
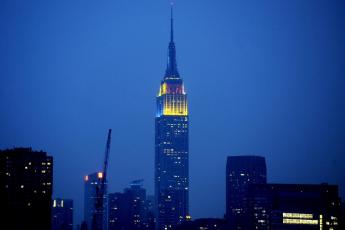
x=300, y=221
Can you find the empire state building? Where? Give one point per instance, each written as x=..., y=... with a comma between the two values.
x=171, y=146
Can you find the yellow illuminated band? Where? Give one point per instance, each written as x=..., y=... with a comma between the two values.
x=299, y=218
x=173, y=104
x=300, y=221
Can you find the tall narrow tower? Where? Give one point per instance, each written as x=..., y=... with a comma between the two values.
x=241, y=172
x=171, y=146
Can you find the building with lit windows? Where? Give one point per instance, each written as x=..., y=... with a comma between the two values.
x=204, y=224
x=171, y=146
x=62, y=214
x=26, y=178
x=130, y=209
x=294, y=206
x=118, y=211
x=91, y=190
x=242, y=171
x=150, y=212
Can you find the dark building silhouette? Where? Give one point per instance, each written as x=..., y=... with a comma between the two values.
x=150, y=212
x=129, y=210
x=171, y=146
x=118, y=211
x=294, y=206
x=342, y=220
x=204, y=223
x=91, y=185
x=26, y=179
x=242, y=171
x=62, y=214
x=83, y=225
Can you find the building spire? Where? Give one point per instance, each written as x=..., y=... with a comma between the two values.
x=171, y=22
x=171, y=70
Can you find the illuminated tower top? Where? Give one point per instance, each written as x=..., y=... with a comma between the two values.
x=172, y=98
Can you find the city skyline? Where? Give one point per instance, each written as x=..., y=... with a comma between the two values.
x=287, y=108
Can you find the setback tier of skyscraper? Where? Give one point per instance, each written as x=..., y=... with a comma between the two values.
x=171, y=146
x=26, y=178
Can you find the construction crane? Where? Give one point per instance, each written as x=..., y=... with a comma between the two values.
x=99, y=212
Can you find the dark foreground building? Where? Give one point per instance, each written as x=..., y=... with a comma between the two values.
x=203, y=224
x=62, y=214
x=171, y=147
x=241, y=172
x=26, y=179
x=130, y=210
x=294, y=206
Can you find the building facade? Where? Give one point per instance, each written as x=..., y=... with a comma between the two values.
x=171, y=147
x=62, y=214
x=26, y=179
x=294, y=206
x=91, y=190
x=241, y=172
x=204, y=223
x=129, y=210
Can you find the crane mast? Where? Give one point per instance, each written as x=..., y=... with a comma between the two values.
x=99, y=213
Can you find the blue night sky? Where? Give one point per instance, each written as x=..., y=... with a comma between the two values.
x=262, y=77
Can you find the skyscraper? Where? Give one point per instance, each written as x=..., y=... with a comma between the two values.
x=242, y=171
x=91, y=185
x=26, y=180
x=171, y=146
x=128, y=210
x=62, y=214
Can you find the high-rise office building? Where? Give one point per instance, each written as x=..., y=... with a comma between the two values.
x=62, y=214
x=118, y=211
x=136, y=195
x=241, y=171
x=91, y=190
x=171, y=146
x=129, y=210
x=294, y=206
x=26, y=179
